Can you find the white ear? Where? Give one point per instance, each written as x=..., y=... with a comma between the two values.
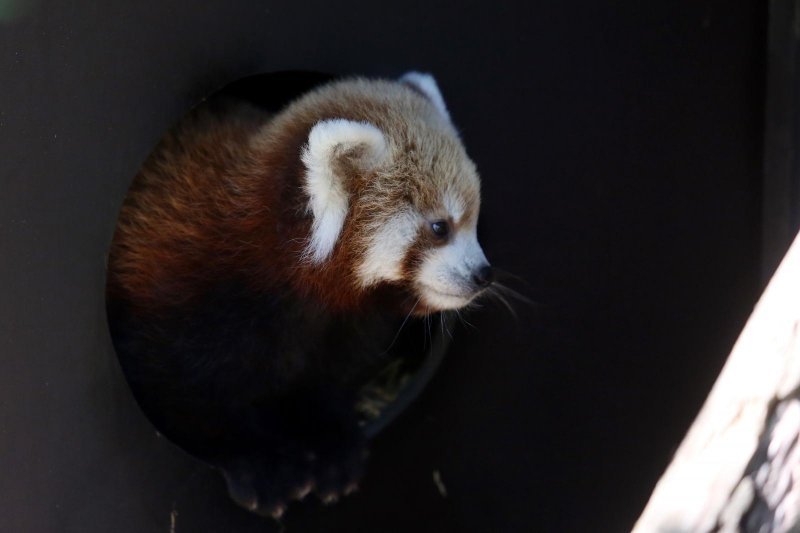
x=327, y=194
x=427, y=86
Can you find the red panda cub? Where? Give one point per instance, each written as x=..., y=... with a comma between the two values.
x=263, y=263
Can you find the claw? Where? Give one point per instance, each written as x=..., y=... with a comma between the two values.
x=303, y=491
x=330, y=498
x=277, y=511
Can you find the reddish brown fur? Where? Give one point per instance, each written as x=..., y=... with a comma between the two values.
x=223, y=194
x=207, y=205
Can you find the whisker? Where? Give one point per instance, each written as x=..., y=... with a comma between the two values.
x=397, y=335
x=474, y=304
x=449, y=333
x=426, y=332
x=502, y=300
x=504, y=274
x=514, y=294
x=464, y=320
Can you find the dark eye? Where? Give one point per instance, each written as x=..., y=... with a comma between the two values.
x=440, y=228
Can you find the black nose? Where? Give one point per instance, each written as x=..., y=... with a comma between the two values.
x=483, y=276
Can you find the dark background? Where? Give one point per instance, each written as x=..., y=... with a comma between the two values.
x=620, y=149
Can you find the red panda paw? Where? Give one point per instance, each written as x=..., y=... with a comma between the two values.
x=267, y=487
x=338, y=475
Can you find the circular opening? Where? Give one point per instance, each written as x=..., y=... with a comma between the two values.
x=161, y=310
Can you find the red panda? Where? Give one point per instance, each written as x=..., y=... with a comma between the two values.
x=262, y=262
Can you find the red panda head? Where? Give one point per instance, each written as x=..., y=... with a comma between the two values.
x=388, y=180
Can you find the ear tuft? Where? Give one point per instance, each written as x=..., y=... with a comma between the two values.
x=425, y=84
x=327, y=193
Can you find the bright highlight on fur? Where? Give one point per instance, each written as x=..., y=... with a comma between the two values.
x=427, y=85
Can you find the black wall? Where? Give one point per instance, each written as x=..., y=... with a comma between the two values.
x=619, y=144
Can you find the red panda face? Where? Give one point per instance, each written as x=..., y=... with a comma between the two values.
x=399, y=185
x=431, y=252
x=452, y=269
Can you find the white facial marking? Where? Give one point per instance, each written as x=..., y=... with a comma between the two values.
x=387, y=248
x=328, y=199
x=445, y=277
x=454, y=205
x=427, y=85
